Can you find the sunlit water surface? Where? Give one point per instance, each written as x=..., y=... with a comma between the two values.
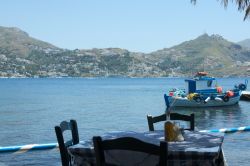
x=30, y=108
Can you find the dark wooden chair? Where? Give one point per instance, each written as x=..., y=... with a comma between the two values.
x=63, y=145
x=173, y=116
x=129, y=143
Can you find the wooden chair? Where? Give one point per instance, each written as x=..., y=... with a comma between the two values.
x=63, y=145
x=173, y=116
x=129, y=143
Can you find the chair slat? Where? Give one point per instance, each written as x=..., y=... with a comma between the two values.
x=129, y=143
x=173, y=116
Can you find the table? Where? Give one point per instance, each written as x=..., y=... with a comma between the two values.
x=197, y=149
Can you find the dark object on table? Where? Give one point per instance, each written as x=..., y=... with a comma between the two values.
x=72, y=126
x=173, y=116
x=129, y=143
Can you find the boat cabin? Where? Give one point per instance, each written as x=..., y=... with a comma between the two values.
x=200, y=84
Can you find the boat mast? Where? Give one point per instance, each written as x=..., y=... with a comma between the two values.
x=204, y=62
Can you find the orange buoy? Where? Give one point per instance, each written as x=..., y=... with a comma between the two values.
x=230, y=93
x=219, y=89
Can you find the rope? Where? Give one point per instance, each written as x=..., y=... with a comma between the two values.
x=228, y=130
x=168, y=109
x=25, y=148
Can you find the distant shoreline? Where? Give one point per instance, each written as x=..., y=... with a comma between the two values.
x=111, y=77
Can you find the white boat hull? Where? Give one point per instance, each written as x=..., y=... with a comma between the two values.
x=184, y=102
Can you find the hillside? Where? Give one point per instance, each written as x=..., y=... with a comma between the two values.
x=245, y=43
x=17, y=43
x=24, y=56
x=210, y=53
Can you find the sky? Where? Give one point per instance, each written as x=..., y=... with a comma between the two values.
x=136, y=25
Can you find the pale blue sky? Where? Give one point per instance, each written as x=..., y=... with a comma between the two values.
x=136, y=25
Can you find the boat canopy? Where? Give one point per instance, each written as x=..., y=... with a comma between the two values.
x=201, y=79
x=199, y=84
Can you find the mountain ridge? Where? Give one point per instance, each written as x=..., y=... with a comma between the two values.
x=245, y=43
x=24, y=56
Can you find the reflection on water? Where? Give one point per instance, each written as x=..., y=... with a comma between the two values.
x=224, y=117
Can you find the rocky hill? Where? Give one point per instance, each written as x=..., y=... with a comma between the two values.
x=15, y=42
x=24, y=56
x=245, y=43
x=210, y=53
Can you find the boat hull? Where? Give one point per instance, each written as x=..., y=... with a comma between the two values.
x=184, y=102
x=245, y=95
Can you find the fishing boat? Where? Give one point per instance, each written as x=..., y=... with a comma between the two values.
x=203, y=91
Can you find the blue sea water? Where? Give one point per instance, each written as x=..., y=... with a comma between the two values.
x=30, y=108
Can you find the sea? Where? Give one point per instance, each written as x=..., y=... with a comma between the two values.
x=30, y=108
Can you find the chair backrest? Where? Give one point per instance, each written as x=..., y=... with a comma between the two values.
x=63, y=145
x=173, y=116
x=129, y=143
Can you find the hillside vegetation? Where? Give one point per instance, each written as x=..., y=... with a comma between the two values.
x=245, y=43
x=24, y=56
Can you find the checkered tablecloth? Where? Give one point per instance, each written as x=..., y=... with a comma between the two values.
x=197, y=149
